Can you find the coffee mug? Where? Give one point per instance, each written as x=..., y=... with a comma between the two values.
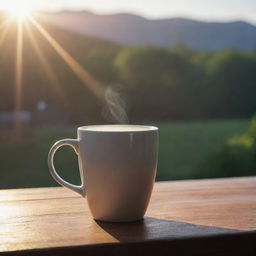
x=117, y=167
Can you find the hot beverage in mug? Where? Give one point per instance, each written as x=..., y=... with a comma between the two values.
x=117, y=167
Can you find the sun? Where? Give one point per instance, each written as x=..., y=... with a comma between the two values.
x=19, y=9
x=21, y=13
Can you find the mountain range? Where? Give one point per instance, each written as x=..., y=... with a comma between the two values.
x=129, y=29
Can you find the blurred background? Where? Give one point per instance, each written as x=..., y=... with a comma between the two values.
x=187, y=66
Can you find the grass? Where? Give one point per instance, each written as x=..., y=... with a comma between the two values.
x=183, y=147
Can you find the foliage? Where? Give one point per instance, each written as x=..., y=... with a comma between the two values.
x=162, y=84
x=236, y=156
x=232, y=84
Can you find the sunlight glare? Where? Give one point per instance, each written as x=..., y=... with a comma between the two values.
x=18, y=80
x=19, y=9
x=94, y=85
x=52, y=76
x=19, y=12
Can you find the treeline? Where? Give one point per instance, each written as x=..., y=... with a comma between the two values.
x=155, y=83
x=179, y=83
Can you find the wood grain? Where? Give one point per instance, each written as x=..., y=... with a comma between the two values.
x=56, y=217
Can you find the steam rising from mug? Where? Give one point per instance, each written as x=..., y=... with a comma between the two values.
x=115, y=106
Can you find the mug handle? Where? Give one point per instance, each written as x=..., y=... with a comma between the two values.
x=66, y=142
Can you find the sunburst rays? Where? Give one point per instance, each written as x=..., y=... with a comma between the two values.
x=87, y=79
x=4, y=28
x=18, y=78
x=51, y=75
x=81, y=72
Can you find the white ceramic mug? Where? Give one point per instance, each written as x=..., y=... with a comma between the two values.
x=117, y=167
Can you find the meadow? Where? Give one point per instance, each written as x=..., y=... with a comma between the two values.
x=183, y=147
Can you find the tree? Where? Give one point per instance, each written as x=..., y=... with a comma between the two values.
x=232, y=84
x=162, y=84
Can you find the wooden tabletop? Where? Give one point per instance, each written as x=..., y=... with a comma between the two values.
x=209, y=216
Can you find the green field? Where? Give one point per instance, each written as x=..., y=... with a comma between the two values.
x=183, y=147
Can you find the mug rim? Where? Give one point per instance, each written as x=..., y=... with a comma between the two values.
x=141, y=128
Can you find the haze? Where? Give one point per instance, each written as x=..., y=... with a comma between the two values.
x=216, y=10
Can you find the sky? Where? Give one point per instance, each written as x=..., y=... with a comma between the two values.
x=209, y=10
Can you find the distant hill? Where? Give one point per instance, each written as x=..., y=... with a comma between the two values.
x=135, y=30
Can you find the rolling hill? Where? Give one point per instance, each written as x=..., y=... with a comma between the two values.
x=135, y=30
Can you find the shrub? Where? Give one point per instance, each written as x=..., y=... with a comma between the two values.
x=236, y=157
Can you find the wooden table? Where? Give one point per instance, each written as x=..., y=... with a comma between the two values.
x=195, y=217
